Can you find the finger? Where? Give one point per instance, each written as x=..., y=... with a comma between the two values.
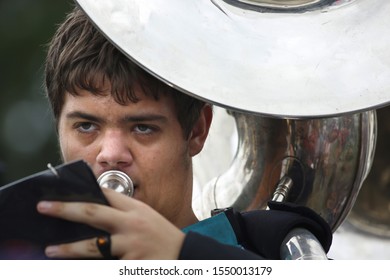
x=95, y=215
x=119, y=200
x=75, y=250
x=86, y=249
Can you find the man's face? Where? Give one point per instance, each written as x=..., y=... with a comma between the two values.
x=143, y=139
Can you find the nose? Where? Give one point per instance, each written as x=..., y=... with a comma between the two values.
x=114, y=150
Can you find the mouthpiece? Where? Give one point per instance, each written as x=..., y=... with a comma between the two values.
x=118, y=181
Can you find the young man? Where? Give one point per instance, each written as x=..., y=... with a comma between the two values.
x=115, y=116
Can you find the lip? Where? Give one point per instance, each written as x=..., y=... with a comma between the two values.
x=136, y=191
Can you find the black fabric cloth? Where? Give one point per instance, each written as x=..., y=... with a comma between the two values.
x=266, y=229
x=24, y=233
x=259, y=232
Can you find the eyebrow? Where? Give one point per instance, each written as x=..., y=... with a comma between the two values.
x=82, y=115
x=129, y=118
x=145, y=117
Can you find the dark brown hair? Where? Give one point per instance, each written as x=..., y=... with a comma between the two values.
x=80, y=57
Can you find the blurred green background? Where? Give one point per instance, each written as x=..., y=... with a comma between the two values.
x=27, y=138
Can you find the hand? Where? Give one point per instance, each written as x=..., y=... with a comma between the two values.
x=137, y=231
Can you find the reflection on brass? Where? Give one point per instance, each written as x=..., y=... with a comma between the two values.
x=283, y=4
x=371, y=212
x=327, y=159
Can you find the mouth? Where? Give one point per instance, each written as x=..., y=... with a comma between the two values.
x=134, y=189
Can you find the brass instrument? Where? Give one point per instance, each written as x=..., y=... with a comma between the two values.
x=371, y=212
x=320, y=59
x=118, y=181
x=327, y=159
x=302, y=79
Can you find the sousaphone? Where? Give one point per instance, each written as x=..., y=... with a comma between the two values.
x=302, y=79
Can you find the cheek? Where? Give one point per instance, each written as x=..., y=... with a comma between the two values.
x=164, y=162
x=173, y=163
x=63, y=140
x=68, y=151
x=153, y=162
x=71, y=149
x=64, y=147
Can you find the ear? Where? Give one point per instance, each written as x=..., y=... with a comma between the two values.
x=200, y=130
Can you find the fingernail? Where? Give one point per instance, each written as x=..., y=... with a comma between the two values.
x=51, y=251
x=44, y=205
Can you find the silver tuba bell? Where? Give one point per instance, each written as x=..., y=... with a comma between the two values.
x=301, y=78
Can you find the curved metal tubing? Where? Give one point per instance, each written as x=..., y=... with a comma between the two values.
x=327, y=159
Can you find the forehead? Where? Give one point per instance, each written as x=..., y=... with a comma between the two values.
x=105, y=104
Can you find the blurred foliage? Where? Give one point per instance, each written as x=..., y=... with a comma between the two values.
x=27, y=134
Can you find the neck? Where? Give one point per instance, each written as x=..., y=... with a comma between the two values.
x=184, y=220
